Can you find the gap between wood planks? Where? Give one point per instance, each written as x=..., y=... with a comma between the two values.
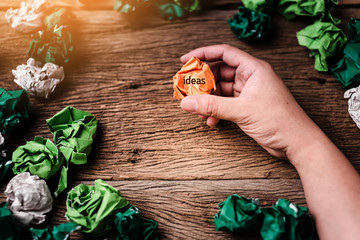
x=131, y=124
x=186, y=209
x=143, y=134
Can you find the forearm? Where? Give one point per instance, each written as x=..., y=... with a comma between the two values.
x=262, y=106
x=331, y=186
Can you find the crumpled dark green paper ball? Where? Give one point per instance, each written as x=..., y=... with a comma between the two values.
x=52, y=45
x=238, y=214
x=286, y=220
x=354, y=30
x=274, y=224
x=39, y=157
x=324, y=40
x=173, y=9
x=94, y=207
x=8, y=229
x=60, y=232
x=170, y=11
x=132, y=226
x=14, y=107
x=249, y=25
x=5, y=165
x=347, y=70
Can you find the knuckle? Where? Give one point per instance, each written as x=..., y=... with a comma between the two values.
x=265, y=65
x=226, y=46
x=209, y=106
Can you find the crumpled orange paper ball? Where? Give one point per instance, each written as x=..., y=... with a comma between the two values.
x=195, y=77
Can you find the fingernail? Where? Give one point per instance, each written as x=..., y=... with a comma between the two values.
x=189, y=104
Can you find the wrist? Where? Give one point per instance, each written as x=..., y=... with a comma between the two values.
x=306, y=144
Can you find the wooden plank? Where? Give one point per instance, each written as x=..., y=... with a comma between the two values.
x=122, y=73
x=349, y=2
x=108, y=4
x=186, y=209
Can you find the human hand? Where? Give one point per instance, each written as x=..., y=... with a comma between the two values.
x=250, y=94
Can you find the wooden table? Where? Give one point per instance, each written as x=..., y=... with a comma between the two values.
x=168, y=163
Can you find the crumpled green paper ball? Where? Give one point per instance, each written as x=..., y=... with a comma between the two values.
x=39, y=157
x=60, y=232
x=8, y=229
x=286, y=220
x=249, y=25
x=94, y=207
x=238, y=214
x=324, y=40
x=189, y=5
x=307, y=8
x=347, y=70
x=265, y=6
x=14, y=107
x=132, y=226
x=52, y=45
x=5, y=165
x=60, y=17
x=74, y=132
x=170, y=9
x=130, y=6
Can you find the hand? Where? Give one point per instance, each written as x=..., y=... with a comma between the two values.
x=250, y=94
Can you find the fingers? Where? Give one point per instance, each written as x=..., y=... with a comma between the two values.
x=232, y=56
x=233, y=62
x=212, y=121
x=212, y=106
x=237, y=87
x=227, y=88
x=224, y=89
x=223, y=72
x=224, y=76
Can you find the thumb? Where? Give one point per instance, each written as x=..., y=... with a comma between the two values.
x=225, y=108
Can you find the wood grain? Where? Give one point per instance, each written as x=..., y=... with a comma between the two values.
x=171, y=165
x=108, y=4
x=186, y=209
x=122, y=73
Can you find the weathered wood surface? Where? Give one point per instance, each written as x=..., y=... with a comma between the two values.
x=186, y=209
x=122, y=73
x=108, y=4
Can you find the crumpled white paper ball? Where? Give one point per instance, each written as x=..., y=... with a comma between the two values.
x=29, y=17
x=2, y=143
x=353, y=95
x=2, y=140
x=38, y=80
x=28, y=198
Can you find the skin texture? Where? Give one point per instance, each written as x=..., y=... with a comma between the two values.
x=250, y=94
